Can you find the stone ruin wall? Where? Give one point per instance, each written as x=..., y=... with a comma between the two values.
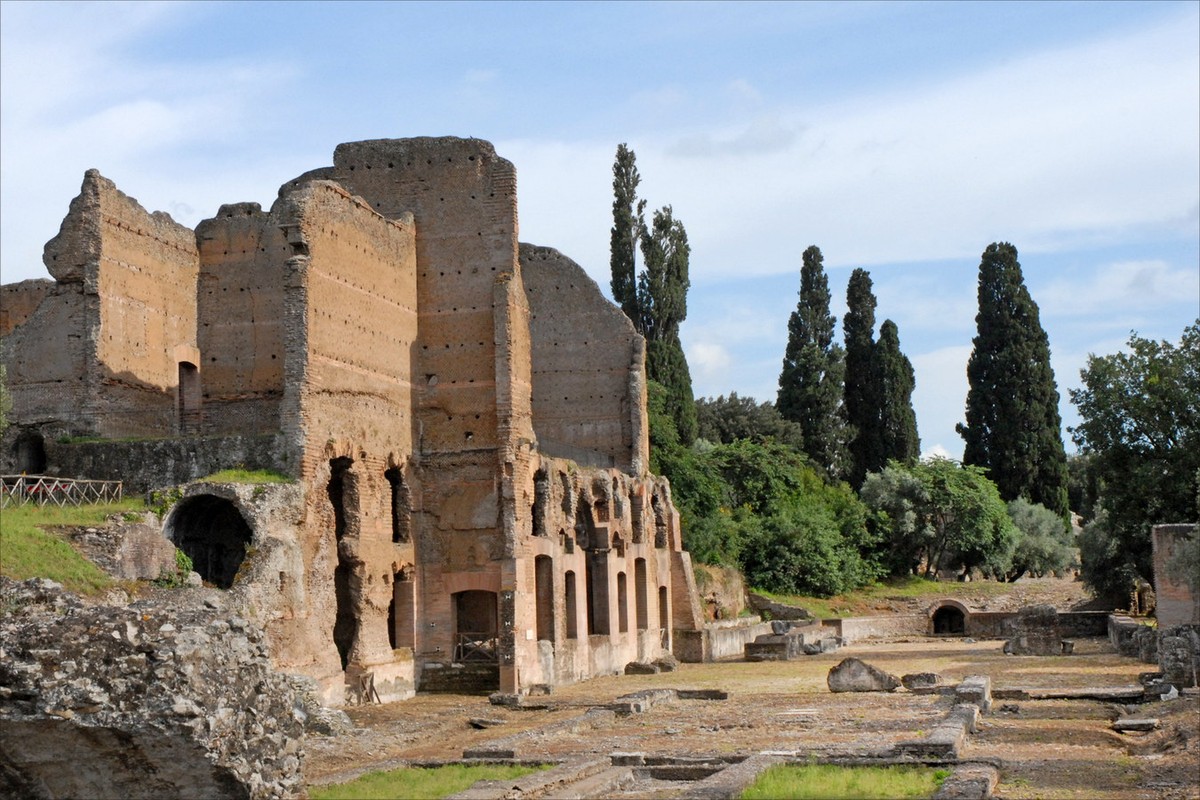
x=351, y=326
x=101, y=357
x=1176, y=604
x=597, y=574
x=472, y=395
x=587, y=402
x=378, y=324
x=240, y=303
x=18, y=301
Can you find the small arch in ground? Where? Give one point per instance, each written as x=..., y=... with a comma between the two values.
x=948, y=618
x=213, y=533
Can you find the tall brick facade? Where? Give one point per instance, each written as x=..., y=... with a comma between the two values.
x=464, y=415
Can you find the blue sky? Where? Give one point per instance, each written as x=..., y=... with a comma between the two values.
x=898, y=137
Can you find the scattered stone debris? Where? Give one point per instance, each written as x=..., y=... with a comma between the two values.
x=141, y=701
x=854, y=675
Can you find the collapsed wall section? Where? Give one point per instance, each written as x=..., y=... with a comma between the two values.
x=589, y=389
x=240, y=298
x=101, y=353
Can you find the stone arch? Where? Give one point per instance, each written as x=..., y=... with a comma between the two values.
x=213, y=533
x=949, y=618
x=29, y=453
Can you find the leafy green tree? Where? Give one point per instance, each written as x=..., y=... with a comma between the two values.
x=899, y=504
x=1043, y=544
x=1140, y=429
x=626, y=231
x=862, y=398
x=955, y=518
x=1013, y=427
x=811, y=381
x=970, y=523
x=895, y=381
x=1082, y=485
x=725, y=420
x=662, y=301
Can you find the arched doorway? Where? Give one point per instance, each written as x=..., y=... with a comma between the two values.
x=213, y=534
x=949, y=620
x=29, y=453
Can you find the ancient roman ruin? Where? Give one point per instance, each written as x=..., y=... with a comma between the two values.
x=463, y=417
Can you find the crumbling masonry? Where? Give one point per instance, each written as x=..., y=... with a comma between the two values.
x=464, y=417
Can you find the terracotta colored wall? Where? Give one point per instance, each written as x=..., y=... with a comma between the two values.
x=588, y=367
x=243, y=257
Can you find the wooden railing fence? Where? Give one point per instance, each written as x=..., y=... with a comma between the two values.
x=42, y=490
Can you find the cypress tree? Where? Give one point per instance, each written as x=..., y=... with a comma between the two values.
x=626, y=230
x=1013, y=427
x=811, y=381
x=662, y=301
x=861, y=396
x=895, y=381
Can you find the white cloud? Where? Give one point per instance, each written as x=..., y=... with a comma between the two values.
x=937, y=451
x=1119, y=287
x=73, y=99
x=1052, y=150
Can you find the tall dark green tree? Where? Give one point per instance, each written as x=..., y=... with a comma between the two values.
x=895, y=381
x=662, y=303
x=861, y=396
x=1013, y=426
x=626, y=231
x=811, y=381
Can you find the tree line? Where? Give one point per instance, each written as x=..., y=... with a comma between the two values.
x=823, y=490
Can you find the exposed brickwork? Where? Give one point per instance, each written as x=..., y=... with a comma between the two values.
x=467, y=428
x=1176, y=603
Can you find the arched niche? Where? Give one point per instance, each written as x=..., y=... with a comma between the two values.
x=213, y=534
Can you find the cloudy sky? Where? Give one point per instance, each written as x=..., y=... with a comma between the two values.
x=902, y=138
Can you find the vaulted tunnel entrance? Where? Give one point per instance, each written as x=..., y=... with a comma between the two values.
x=949, y=620
x=213, y=534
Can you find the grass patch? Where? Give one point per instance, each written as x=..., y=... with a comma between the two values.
x=821, y=781
x=247, y=476
x=29, y=551
x=420, y=783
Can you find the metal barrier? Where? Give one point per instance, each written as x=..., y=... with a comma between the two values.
x=476, y=647
x=42, y=490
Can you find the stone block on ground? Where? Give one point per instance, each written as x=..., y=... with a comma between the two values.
x=666, y=663
x=922, y=682
x=1135, y=725
x=855, y=675
x=976, y=689
x=969, y=782
x=641, y=668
